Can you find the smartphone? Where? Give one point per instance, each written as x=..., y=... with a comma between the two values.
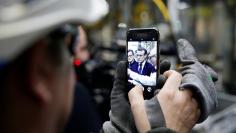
x=143, y=59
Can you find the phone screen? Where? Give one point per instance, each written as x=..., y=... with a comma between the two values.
x=143, y=59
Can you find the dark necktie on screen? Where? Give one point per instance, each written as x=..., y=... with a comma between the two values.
x=140, y=68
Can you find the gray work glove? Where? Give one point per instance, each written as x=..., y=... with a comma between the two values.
x=121, y=118
x=153, y=108
x=197, y=77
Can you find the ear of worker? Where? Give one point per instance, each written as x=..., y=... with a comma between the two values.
x=197, y=77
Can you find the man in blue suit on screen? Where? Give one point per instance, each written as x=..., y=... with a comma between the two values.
x=143, y=67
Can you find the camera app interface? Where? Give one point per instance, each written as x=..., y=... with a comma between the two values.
x=142, y=64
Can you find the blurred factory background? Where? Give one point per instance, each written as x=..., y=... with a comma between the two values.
x=209, y=24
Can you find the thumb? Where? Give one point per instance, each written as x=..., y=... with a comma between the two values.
x=186, y=51
x=173, y=80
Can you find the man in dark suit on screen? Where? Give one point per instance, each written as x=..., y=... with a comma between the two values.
x=131, y=59
x=142, y=67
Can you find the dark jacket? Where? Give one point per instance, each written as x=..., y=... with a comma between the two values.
x=147, y=69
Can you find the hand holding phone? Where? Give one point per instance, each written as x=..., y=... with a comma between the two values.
x=143, y=59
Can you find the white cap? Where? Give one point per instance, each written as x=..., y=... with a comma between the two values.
x=23, y=21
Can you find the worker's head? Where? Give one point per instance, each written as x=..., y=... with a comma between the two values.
x=37, y=77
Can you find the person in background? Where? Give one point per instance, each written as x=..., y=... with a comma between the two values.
x=153, y=58
x=80, y=118
x=131, y=59
x=81, y=49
